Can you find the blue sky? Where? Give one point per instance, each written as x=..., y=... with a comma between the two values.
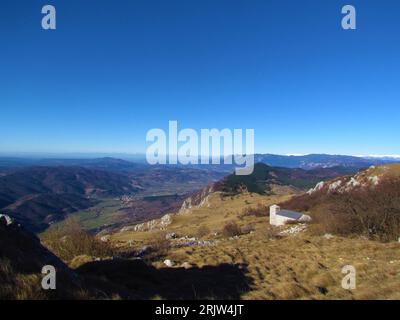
x=115, y=69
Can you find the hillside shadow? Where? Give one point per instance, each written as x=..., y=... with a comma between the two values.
x=134, y=279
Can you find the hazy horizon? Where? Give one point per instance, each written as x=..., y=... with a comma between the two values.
x=142, y=156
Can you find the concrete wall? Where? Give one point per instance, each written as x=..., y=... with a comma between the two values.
x=273, y=210
x=280, y=220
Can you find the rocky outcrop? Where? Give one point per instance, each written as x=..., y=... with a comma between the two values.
x=198, y=200
x=371, y=177
x=160, y=224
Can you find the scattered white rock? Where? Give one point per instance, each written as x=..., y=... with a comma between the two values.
x=318, y=187
x=191, y=242
x=170, y=236
x=335, y=185
x=168, y=263
x=352, y=183
x=328, y=236
x=127, y=228
x=293, y=230
x=374, y=180
x=186, y=265
x=305, y=218
x=105, y=238
x=160, y=224
x=201, y=199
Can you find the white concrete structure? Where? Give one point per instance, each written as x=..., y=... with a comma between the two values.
x=278, y=217
x=5, y=220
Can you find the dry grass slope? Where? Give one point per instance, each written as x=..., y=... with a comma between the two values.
x=302, y=266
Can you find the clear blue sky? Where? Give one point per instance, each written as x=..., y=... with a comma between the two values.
x=115, y=69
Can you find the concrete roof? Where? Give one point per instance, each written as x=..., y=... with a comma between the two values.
x=289, y=214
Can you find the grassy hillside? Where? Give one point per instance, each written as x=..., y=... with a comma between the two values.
x=300, y=266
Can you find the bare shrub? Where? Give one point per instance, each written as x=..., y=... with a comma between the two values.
x=271, y=232
x=292, y=222
x=69, y=240
x=160, y=244
x=373, y=212
x=259, y=211
x=231, y=229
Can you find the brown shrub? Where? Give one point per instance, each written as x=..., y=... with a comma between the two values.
x=231, y=229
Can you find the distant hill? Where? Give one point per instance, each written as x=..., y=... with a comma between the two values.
x=38, y=196
x=262, y=180
x=37, y=211
x=264, y=176
x=106, y=163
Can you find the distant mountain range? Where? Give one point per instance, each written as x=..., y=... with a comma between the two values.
x=109, y=164
x=313, y=161
x=307, y=162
